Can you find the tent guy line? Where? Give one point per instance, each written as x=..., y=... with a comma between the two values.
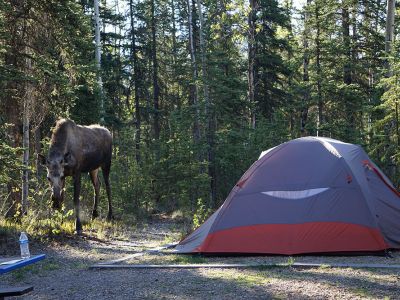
x=138, y=254
x=239, y=266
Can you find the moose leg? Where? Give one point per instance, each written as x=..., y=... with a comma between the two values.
x=77, y=191
x=96, y=185
x=106, y=176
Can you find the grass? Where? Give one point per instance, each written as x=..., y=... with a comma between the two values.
x=60, y=225
x=80, y=265
x=161, y=259
x=324, y=266
x=189, y=259
x=253, y=279
x=41, y=268
x=50, y=266
x=290, y=261
x=362, y=292
x=21, y=274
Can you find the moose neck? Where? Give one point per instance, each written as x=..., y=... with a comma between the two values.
x=59, y=139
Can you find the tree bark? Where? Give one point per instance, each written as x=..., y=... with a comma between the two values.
x=136, y=77
x=390, y=25
x=251, y=60
x=347, y=68
x=209, y=111
x=193, y=86
x=347, y=47
x=98, y=58
x=306, y=77
x=25, y=145
x=38, y=150
x=389, y=39
x=156, y=89
x=318, y=67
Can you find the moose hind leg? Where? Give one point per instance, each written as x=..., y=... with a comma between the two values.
x=106, y=176
x=77, y=191
x=96, y=185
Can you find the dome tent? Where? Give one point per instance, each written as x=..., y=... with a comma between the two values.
x=308, y=195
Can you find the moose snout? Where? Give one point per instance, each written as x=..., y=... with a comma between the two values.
x=57, y=197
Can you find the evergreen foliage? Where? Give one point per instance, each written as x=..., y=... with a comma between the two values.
x=176, y=80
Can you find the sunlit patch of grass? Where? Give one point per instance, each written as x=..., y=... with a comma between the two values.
x=172, y=259
x=61, y=224
x=178, y=215
x=104, y=230
x=169, y=239
x=46, y=228
x=250, y=280
x=38, y=227
x=244, y=278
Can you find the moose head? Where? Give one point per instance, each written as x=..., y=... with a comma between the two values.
x=56, y=165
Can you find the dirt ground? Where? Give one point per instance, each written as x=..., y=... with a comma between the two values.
x=65, y=273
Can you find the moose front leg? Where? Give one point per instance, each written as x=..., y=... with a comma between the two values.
x=77, y=191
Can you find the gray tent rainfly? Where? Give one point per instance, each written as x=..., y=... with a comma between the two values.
x=308, y=195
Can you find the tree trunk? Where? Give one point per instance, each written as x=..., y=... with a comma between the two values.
x=136, y=77
x=25, y=146
x=156, y=89
x=175, y=82
x=209, y=111
x=318, y=67
x=347, y=68
x=251, y=61
x=354, y=39
x=28, y=100
x=306, y=77
x=389, y=25
x=38, y=150
x=193, y=86
x=389, y=39
x=347, y=48
x=203, y=58
x=98, y=58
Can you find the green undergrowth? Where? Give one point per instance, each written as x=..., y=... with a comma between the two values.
x=60, y=226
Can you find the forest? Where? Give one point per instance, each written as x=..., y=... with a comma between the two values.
x=192, y=92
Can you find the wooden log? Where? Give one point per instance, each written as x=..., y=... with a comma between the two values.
x=15, y=291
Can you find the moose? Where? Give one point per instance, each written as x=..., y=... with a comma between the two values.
x=76, y=149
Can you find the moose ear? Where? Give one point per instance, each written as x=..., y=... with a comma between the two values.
x=42, y=159
x=67, y=159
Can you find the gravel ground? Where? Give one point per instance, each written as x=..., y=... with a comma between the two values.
x=65, y=274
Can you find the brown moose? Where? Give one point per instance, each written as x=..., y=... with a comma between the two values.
x=76, y=149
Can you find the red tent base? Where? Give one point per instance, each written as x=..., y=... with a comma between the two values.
x=289, y=239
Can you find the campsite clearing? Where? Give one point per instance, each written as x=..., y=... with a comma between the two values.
x=66, y=274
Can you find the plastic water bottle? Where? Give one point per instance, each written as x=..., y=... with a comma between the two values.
x=24, y=245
